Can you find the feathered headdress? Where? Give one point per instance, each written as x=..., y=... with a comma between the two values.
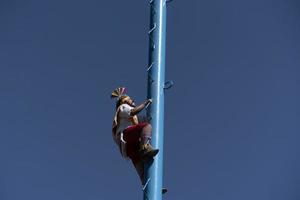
x=117, y=93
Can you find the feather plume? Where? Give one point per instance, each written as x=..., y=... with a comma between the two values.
x=118, y=92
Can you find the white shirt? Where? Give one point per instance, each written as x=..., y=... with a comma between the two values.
x=124, y=117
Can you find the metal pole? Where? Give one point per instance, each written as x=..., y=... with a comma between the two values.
x=156, y=83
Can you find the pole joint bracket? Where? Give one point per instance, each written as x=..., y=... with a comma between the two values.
x=168, y=85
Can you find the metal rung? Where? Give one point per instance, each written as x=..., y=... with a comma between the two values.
x=152, y=29
x=150, y=66
x=146, y=184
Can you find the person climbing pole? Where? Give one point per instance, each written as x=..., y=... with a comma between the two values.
x=132, y=138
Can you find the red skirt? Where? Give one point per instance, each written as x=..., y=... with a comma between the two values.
x=132, y=135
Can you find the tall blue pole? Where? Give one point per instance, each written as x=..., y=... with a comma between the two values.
x=156, y=82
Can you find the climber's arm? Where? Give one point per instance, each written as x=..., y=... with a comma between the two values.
x=139, y=108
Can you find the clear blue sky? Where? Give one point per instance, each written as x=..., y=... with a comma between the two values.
x=232, y=118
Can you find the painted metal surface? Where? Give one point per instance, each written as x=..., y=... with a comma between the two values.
x=156, y=86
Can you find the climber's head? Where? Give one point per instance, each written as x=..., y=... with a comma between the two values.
x=122, y=98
